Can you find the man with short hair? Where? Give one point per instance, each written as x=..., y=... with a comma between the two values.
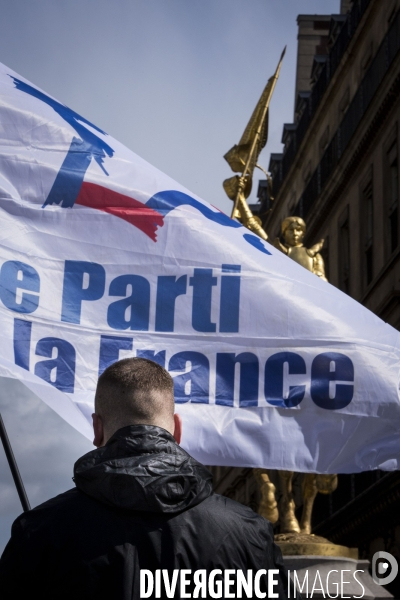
x=140, y=502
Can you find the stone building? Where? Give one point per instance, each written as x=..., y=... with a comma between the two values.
x=339, y=171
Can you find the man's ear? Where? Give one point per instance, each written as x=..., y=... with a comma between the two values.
x=98, y=429
x=178, y=428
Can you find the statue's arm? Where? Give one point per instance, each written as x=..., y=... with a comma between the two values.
x=279, y=246
x=319, y=267
x=315, y=249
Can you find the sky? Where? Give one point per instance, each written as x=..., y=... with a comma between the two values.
x=175, y=81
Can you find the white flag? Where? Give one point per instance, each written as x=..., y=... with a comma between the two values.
x=103, y=257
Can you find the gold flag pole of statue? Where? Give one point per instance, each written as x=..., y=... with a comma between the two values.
x=242, y=158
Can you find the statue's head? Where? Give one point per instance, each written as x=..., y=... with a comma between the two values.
x=293, y=230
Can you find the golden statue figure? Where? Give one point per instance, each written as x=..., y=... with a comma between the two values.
x=293, y=231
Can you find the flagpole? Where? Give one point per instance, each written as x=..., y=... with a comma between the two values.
x=256, y=137
x=14, y=467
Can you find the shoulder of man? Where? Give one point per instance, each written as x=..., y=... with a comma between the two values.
x=240, y=520
x=231, y=509
x=248, y=530
x=29, y=534
x=29, y=522
x=228, y=507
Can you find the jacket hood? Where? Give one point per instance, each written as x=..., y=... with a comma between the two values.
x=142, y=468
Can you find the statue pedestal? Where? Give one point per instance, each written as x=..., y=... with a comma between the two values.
x=334, y=575
x=308, y=544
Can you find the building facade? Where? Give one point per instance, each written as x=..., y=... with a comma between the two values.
x=339, y=171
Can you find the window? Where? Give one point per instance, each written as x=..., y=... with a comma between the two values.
x=264, y=197
x=367, y=223
x=344, y=252
x=324, y=139
x=366, y=58
x=391, y=12
x=292, y=205
x=344, y=103
x=307, y=172
x=393, y=197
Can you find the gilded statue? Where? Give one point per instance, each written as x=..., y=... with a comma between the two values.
x=293, y=230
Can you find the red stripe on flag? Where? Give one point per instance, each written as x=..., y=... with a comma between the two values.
x=134, y=212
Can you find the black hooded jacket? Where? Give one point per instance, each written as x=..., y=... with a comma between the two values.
x=140, y=502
